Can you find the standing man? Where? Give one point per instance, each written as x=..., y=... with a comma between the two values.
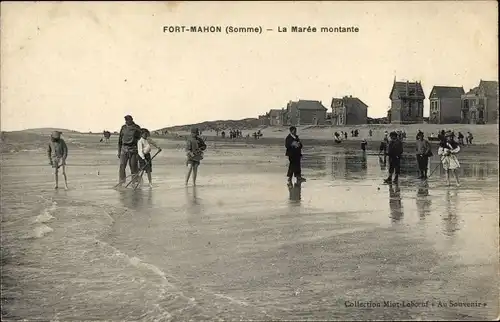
x=130, y=134
x=423, y=154
x=294, y=153
x=394, y=152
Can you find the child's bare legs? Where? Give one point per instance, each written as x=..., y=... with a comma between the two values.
x=65, y=177
x=455, y=173
x=448, y=177
x=56, y=176
x=188, y=175
x=195, y=173
x=150, y=179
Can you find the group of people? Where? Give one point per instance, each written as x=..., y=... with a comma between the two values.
x=134, y=148
x=447, y=151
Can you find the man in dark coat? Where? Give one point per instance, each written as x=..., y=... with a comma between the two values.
x=394, y=152
x=294, y=153
x=130, y=133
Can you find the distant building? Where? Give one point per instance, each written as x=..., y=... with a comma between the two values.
x=305, y=112
x=264, y=119
x=407, y=102
x=277, y=117
x=349, y=111
x=445, y=104
x=479, y=105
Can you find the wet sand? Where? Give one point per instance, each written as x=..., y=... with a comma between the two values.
x=242, y=245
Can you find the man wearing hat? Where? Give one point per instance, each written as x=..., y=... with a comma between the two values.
x=130, y=134
x=293, y=147
x=394, y=152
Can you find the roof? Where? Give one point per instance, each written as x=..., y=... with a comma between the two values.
x=275, y=112
x=490, y=87
x=447, y=91
x=400, y=88
x=354, y=101
x=310, y=105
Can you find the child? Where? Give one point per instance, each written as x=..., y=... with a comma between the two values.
x=363, y=145
x=194, y=148
x=394, y=151
x=448, y=149
x=144, y=149
x=57, y=152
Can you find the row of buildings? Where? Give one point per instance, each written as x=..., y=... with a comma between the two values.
x=448, y=105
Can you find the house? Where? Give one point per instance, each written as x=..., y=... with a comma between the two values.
x=445, y=104
x=349, y=111
x=479, y=105
x=305, y=112
x=264, y=119
x=277, y=117
x=407, y=102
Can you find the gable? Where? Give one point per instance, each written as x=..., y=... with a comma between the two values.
x=310, y=105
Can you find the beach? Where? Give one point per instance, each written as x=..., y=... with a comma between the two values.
x=242, y=245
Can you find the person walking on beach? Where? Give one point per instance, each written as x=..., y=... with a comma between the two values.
x=448, y=150
x=394, y=152
x=423, y=153
x=195, y=146
x=144, y=150
x=130, y=133
x=57, y=152
x=363, y=145
x=469, y=138
x=294, y=153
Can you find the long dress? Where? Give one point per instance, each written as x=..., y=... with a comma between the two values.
x=448, y=157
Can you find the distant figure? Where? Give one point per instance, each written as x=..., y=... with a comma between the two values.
x=223, y=134
x=337, y=138
x=195, y=146
x=469, y=138
x=448, y=151
x=424, y=151
x=382, y=148
x=144, y=149
x=130, y=134
x=345, y=135
x=294, y=153
x=57, y=151
x=363, y=145
x=394, y=152
x=370, y=132
x=460, y=138
x=356, y=132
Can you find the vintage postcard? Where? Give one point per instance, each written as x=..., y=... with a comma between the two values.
x=271, y=161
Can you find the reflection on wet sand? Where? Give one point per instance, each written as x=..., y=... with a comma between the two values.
x=450, y=219
x=382, y=161
x=295, y=192
x=423, y=201
x=137, y=199
x=395, y=205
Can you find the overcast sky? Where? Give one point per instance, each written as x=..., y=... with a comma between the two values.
x=83, y=66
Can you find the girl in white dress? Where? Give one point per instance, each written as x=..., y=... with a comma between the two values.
x=448, y=150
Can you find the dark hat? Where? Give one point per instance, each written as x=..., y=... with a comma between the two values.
x=292, y=128
x=128, y=117
x=420, y=133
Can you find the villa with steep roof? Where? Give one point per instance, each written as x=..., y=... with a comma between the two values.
x=305, y=112
x=348, y=111
x=407, y=102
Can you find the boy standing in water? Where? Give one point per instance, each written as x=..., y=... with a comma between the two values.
x=294, y=153
x=144, y=149
x=394, y=151
x=57, y=151
x=194, y=148
x=423, y=148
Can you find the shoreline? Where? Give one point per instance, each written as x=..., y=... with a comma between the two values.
x=372, y=146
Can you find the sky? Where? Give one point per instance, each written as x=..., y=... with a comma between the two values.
x=84, y=66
